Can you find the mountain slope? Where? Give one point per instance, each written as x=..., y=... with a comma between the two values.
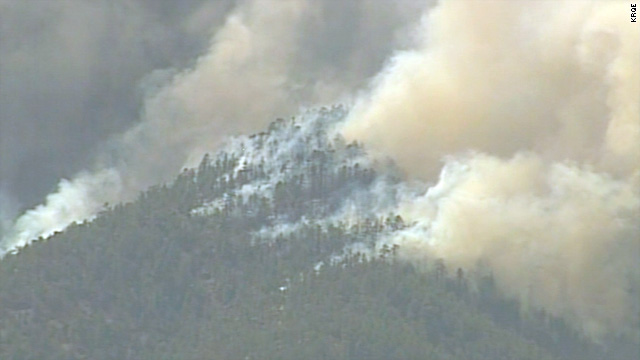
x=265, y=251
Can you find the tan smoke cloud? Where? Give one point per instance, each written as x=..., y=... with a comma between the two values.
x=238, y=86
x=557, y=235
x=546, y=95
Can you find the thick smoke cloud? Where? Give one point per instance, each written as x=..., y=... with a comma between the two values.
x=565, y=87
x=266, y=58
x=534, y=111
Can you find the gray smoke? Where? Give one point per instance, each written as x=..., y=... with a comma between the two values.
x=71, y=74
x=265, y=58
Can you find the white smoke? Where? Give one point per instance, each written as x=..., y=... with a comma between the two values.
x=238, y=84
x=265, y=61
x=75, y=200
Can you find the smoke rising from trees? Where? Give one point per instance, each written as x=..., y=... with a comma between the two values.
x=534, y=111
x=265, y=59
x=524, y=117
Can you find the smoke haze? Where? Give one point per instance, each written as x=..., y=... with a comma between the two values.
x=71, y=74
x=524, y=118
x=264, y=59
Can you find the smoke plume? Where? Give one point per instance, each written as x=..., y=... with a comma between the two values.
x=533, y=108
x=523, y=115
x=266, y=59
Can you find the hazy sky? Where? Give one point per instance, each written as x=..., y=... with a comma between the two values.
x=72, y=73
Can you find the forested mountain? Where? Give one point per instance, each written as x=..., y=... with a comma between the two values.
x=265, y=251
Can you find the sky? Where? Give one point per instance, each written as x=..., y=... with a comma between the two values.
x=73, y=74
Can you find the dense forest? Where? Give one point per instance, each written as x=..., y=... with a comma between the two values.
x=264, y=251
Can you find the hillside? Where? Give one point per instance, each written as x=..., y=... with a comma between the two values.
x=267, y=250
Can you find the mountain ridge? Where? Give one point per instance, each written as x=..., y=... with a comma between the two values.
x=273, y=248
